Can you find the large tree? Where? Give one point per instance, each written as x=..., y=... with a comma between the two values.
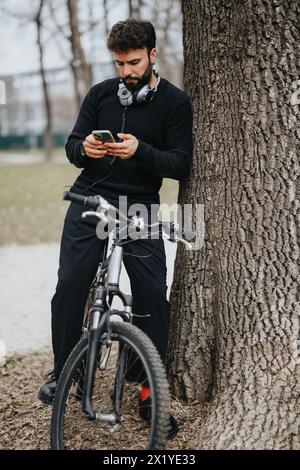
x=235, y=302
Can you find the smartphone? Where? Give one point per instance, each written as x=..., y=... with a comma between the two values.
x=104, y=136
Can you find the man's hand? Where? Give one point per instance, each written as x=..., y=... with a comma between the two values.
x=125, y=149
x=94, y=148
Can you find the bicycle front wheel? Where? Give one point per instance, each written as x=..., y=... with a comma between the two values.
x=122, y=366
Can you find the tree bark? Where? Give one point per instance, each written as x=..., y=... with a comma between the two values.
x=235, y=302
x=48, y=142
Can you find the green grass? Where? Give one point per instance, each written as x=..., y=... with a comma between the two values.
x=13, y=359
x=31, y=206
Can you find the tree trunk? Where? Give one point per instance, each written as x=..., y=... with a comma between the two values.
x=48, y=142
x=74, y=71
x=107, y=28
x=167, y=18
x=134, y=8
x=80, y=65
x=235, y=302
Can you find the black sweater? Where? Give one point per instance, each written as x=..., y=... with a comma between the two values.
x=163, y=128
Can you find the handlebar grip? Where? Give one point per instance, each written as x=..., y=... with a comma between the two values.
x=88, y=201
x=68, y=196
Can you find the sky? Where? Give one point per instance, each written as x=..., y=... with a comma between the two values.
x=18, y=50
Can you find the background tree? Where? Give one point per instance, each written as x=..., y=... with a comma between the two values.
x=235, y=328
x=166, y=16
x=135, y=7
x=48, y=142
x=63, y=31
x=80, y=63
x=167, y=20
x=25, y=17
x=74, y=21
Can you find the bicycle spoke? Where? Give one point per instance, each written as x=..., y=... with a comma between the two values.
x=115, y=400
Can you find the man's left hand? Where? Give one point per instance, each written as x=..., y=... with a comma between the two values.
x=125, y=149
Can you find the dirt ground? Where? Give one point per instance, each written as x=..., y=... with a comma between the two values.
x=25, y=421
x=32, y=213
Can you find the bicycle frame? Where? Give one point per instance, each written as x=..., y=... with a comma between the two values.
x=104, y=288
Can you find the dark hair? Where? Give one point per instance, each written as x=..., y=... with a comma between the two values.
x=131, y=34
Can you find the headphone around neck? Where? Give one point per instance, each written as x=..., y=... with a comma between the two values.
x=144, y=95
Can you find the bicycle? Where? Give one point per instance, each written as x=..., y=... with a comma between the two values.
x=112, y=356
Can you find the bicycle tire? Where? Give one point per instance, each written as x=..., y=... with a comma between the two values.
x=122, y=334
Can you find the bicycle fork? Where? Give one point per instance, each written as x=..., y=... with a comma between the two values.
x=92, y=355
x=100, y=323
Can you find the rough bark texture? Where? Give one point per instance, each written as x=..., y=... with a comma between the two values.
x=235, y=327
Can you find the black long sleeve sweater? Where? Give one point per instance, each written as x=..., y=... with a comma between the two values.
x=163, y=128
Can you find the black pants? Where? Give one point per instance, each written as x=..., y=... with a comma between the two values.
x=80, y=253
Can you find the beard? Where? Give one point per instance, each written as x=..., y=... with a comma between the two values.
x=139, y=82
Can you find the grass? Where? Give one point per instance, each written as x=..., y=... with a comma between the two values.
x=31, y=206
x=13, y=360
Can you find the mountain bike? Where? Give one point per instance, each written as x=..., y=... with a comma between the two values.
x=96, y=401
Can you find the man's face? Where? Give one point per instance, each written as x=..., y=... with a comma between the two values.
x=135, y=67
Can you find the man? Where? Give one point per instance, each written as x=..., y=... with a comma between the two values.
x=156, y=142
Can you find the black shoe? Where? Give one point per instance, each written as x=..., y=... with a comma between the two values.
x=47, y=391
x=145, y=413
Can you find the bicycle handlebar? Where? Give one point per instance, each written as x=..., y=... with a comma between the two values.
x=93, y=202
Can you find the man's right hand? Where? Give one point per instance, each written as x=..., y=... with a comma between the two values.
x=94, y=148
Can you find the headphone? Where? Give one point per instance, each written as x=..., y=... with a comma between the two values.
x=144, y=95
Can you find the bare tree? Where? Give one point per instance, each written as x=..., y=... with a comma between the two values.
x=72, y=32
x=80, y=65
x=48, y=143
x=106, y=20
x=107, y=26
x=134, y=8
x=61, y=29
x=235, y=302
x=166, y=16
x=25, y=18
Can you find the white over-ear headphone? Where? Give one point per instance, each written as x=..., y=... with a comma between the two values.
x=145, y=94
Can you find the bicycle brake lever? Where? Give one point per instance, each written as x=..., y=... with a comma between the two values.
x=100, y=215
x=87, y=213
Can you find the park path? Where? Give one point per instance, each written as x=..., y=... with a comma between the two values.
x=27, y=283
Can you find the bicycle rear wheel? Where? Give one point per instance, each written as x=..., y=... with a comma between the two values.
x=130, y=361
